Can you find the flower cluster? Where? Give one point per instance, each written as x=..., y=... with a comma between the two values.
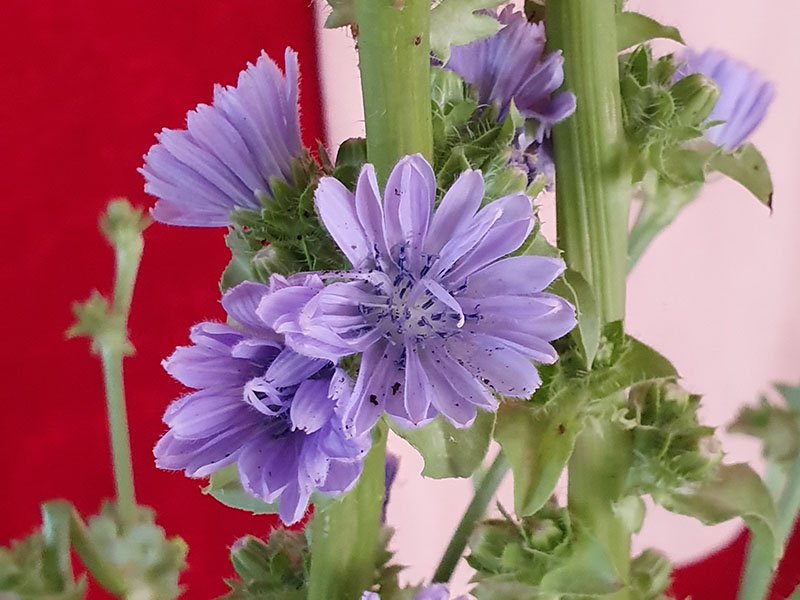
x=441, y=319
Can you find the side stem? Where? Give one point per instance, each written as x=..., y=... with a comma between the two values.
x=593, y=193
x=475, y=511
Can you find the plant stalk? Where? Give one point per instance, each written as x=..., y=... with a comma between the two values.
x=758, y=573
x=593, y=194
x=394, y=60
x=475, y=512
x=394, y=56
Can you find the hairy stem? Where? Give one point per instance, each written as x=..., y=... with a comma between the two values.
x=475, y=511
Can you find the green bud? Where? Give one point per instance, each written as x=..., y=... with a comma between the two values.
x=777, y=427
x=695, y=97
x=650, y=575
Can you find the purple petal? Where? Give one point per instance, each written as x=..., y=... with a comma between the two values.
x=507, y=234
x=408, y=202
x=456, y=210
x=311, y=406
x=207, y=413
x=378, y=378
x=341, y=478
x=291, y=368
x=369, y=209
x=336, y=207
x=516, y=275
x=508, y=372
x=418, y=391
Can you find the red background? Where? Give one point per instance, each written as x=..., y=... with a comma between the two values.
x=85, y=85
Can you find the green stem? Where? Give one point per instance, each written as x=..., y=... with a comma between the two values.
x=758, y=571
x=123, y=228
x=107, y=575
x=344, y=534
x=660, y=206
x=475, y=511
x=394, y=57
x=593, y=193
x=120, y=439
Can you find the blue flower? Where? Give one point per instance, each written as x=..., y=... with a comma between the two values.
x=444, y=320
x=512, y=65
x=229, y=151
x=260, y=405
x=744, y=96
x=435, y=591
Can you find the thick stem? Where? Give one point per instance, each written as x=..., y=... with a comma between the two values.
x=394, y=59
x=394, y=54
x=593, y=193
x=475, y=511
x=344, y=534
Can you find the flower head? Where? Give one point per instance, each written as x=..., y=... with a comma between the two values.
x=513, y=65
x=262, y=406
x=442, y=318
x=229, y=151
x=744, y=96
x=435, y=591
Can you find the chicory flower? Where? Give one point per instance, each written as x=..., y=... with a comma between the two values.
x=443, y=317
x=436, y=591
x=744, y=96
x=262, y=406
x=512, y=65
x=230, y=150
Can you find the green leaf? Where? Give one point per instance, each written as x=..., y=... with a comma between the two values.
x=454, y=23
x=224, y=486
x=748, y=167
x=538, y=442
x=449, y=451
x=343, y=12
x=634, y=29
x=737, y=491
x=573, y=287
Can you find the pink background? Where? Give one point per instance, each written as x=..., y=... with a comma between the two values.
x=717, y=293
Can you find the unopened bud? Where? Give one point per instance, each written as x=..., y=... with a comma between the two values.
x=695, y=97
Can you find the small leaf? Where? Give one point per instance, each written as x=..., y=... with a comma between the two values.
x=748, y=167
x=454, y=23
x=637, y=363
x=538, y=443
x=634, y=29
x=224, y=485
x=573, y=287
x=587, y=572
x=737, y=491
x=343, y=12
x=448, y=451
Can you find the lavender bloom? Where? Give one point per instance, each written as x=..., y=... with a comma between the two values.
x=390, y=474
x=512, y=65
x=262, y=406
x=229, y=151
x=436, y=591
x=534, y=159
x=744, y=96
x=442, y=319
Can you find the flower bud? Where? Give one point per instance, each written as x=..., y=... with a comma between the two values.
x=695, y=97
